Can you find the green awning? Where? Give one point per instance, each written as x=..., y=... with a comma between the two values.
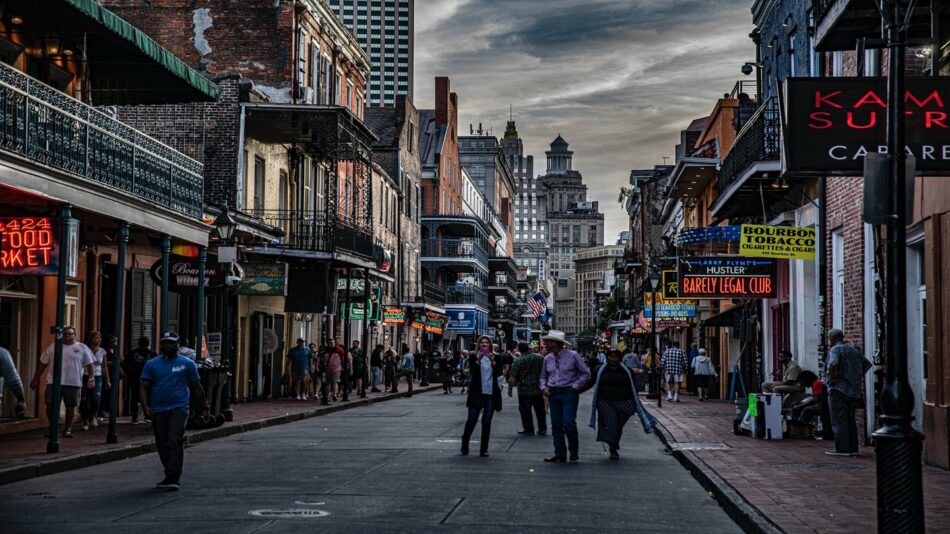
x=146, y=45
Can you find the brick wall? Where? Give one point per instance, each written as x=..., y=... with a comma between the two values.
x=845, y=204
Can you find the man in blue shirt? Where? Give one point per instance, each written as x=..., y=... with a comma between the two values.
x=168, y=381
x=299, y=357
x=846, y=370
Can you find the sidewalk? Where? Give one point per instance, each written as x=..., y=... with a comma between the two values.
x=23, y=455
x=792, y=483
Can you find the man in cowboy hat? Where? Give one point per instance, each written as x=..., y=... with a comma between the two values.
x=563, y=374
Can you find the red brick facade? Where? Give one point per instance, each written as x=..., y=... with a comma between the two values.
x=443, y=195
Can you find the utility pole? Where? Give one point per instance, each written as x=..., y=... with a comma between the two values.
x=900, y=505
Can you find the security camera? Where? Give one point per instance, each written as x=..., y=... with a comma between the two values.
x=747, y=69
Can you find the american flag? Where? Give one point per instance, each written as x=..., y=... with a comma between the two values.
x=537, y=305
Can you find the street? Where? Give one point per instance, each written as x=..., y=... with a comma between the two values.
x=389, y=467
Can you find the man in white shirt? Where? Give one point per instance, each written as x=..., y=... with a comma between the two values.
x=76, y=357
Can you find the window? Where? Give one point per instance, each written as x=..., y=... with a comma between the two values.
x=412, y=136
x=837, y=279
x=258, y=184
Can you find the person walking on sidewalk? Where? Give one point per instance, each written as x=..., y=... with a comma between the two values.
x=615, y=400
x=331, y=362
x=846, y=370
x=525, y=373
x=299, y=358
x=407, y=368
x=484, y=393
x=463, y=369
x=77, y=362
x=132, y=366
x=674, y=366
x=91, y=398
x=389, y=371
x=376, y=367
x=703, y=372
x=562, y=375
x=446, y=368
x=168, y=382
x=316, y=373
x=10, y=378
x=358, y=369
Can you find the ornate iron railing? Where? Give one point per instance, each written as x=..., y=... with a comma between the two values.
x=433, y=294
x=458, y=248
x=758, y=140
x=464, y=294
x=311, y=231
x=46, y=126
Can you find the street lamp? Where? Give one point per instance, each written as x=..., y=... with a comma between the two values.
x=654, y=284
x=225, y=226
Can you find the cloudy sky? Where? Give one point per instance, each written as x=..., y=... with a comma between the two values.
x=617, y=78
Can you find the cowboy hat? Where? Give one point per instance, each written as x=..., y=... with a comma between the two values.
x=555, y=335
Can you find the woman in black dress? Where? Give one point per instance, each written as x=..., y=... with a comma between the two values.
x=484, y=394
x=615, y=400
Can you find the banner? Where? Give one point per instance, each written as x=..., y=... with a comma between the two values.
x=787, y=242
x=263, y=279
x=668, y=308
x=727, y=277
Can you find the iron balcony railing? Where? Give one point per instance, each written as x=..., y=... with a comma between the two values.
x=433, y=294
x=456, y=248
x=314, y=231
x=758, y=140
x=465, y=294
x=46, y=126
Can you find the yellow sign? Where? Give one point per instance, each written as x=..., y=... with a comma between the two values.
x=787, y=242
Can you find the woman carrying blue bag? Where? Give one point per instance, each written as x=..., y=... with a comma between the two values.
x=615, y=401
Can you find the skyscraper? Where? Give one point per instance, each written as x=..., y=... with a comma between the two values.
x=385, y=30
x=531, y=240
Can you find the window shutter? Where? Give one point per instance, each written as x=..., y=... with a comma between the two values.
x=141, y=305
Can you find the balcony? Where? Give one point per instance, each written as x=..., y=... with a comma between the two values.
x=454, y=249
x=460, y=294
x=433, y=294
x=314, y=232
x=45, y=126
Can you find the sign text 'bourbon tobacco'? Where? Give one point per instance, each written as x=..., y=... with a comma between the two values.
x=726, y=277
x=832, y=123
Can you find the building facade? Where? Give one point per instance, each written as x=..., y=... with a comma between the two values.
x=595, y=280
x=531, y=245
x=386, y=30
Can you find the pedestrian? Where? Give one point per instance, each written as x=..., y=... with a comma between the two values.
x=446, y=369
x=132, y=366
x=390, y=364
x=316, y=373
x=563, y=374
x=790, y=372
x=90, y=399
x=376, y=367
x=168, y=383
x=358, y=369
x=109, y=344
x=673, y=362
x=615, y=400
x=77, y=363
x=299, y=360
x=846, y=370
x=331, y=362
x=10, y=378
x=703, y=372
x=407, y=368
x=463, y=369
x=484, y=394
x=526, y=375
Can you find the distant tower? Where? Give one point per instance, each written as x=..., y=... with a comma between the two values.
x=559, y=157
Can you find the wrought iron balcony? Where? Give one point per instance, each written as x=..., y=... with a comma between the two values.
x=48, y=127
x=454, y=248
x=758, y=140
x=314, y=231
x=464, y=294
x=433, y=294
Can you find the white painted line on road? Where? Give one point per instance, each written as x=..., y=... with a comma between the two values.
x=290, y=513
x=307, y=503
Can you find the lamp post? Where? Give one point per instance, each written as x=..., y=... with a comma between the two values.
x=225, y=226
x=654, y=284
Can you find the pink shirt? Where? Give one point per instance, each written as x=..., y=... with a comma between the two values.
x=332, y=362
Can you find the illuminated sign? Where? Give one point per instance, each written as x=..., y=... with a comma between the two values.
x=668, y=308
x=788, y=242
x=29, y=245
x=670, y=281
x=832, y=123
x=394, y=315
x=431, y=322
x=726, y=277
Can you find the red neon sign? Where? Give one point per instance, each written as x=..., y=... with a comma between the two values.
x=757, y=286
x=29, y=245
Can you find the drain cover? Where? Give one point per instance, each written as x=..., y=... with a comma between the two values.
x=291, y=513
x=832, y=467
x=713, y=446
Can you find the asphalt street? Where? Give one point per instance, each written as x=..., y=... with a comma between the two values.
x=390, y=467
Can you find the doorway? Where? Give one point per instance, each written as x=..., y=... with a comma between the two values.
x=18, y=335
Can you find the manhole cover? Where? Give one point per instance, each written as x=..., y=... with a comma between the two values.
x=833, y=467
x=291, y=513
x=716, y=446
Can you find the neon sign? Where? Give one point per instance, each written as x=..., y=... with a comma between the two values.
x=431, y=322
x=726, y=277
x=394, y=315
x=29, y=245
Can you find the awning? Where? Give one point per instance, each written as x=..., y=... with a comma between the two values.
x=331, y=128
x=137, y=78
x=727, y=318
x=691, y=176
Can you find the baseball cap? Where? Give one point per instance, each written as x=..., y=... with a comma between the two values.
x=170, y=336
x=301, y=340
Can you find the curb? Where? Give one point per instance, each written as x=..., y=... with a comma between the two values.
x=746, y=516
x=78, y=461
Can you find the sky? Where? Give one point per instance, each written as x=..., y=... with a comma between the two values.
x=618, y=79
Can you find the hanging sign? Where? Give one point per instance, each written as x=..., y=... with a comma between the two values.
x=263, y=279
x=788, y=242
x=29, y=245
x=668, y=308
x=356, y=284
x=726, y=277
x=670, y=281
x=183, y=274
x=394, y=315
x=832, y=123
x=461, y=320
x=431, y=322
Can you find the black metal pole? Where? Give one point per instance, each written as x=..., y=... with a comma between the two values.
x=658, y=388
x=365, y=330
x=123, y=236
x=900, y=504
x=200, y=319
x=166, y=251
x=57, y=393
x=345, y=316
x=230, y=390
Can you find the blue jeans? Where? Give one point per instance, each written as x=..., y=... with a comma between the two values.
x=485, y=408
x=563, y=407
x=91, y=399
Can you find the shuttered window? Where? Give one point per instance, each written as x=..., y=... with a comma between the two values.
x=141, y=305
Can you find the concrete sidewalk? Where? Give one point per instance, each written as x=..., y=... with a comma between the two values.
x=786, y=485
x=23, y=455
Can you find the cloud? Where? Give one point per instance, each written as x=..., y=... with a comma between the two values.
x=617, y=78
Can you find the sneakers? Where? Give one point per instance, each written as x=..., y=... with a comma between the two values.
x=676, y=398
x=525, y=432
x=839, y=453
x=134, y=422
x=168, y=484
x=669, y=397
x=305, y=397
x=298, y=397
x=542, y=432
x=95, y=422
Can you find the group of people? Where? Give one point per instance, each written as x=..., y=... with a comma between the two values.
x=554, y=376
x=333, y=372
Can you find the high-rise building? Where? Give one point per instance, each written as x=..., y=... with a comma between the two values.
x=530, y=217
x=385, y=30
